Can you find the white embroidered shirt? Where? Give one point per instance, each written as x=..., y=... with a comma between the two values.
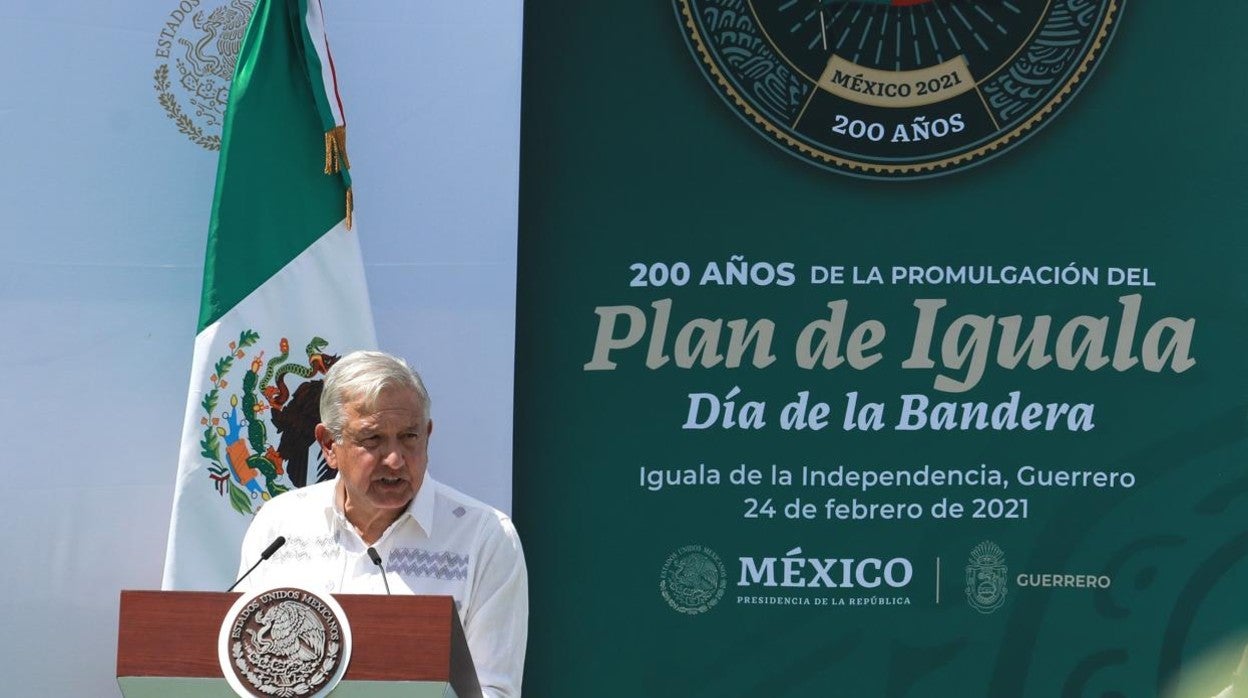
x=444, y=543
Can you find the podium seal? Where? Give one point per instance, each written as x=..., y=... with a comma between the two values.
x=284, y=643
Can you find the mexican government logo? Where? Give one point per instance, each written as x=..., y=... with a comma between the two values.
x=985, y=577
x=693, y=579
x=197, y=47
x=897, y=89
x=252, y=402
x=284, y=642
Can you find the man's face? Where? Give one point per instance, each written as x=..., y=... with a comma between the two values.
x=382, y=455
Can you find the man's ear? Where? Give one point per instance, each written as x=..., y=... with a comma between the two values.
x=326, y=440
x=429, y=429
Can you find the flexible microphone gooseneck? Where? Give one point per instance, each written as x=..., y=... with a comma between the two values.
x=376, y=558
x=268, y=553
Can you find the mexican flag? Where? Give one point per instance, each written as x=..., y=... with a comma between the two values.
x=284, y=294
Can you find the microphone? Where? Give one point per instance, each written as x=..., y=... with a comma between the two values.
x=268, y=553
x=376, y=558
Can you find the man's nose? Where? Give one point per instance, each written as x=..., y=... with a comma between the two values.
x=393, y=457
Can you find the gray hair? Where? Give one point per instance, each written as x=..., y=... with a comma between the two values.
x=363, y=375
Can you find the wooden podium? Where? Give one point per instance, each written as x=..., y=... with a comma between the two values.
x=402, y=646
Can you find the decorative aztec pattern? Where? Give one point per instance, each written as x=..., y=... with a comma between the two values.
x=1060, y=44
x=752, y=60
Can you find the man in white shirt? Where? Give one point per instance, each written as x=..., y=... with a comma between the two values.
x=374, y=430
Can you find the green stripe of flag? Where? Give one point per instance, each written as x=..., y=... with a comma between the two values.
x=272, y=199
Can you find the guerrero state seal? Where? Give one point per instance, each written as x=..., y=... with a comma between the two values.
x=283, y=643
x=985, y=577
x=693, y=579
x=897, y=89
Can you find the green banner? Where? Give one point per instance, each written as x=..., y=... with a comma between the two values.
x=876, y=348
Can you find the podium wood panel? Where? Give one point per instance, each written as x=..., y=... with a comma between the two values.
x=394, y=638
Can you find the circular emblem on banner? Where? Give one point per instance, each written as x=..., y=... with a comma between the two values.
x=693, y=579
x=197, y=47
x=897, y=89
x=284, y=642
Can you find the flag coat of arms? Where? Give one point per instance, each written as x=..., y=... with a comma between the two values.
x=283, y=297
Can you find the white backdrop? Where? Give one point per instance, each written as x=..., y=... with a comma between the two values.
x=103, y=213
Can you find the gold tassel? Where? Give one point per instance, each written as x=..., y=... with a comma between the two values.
x=350, y=207
x=329, y=151
x=342, y=146
x=336, y=150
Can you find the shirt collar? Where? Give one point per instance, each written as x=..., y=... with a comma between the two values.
x=420, y=509
x=421, y=506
